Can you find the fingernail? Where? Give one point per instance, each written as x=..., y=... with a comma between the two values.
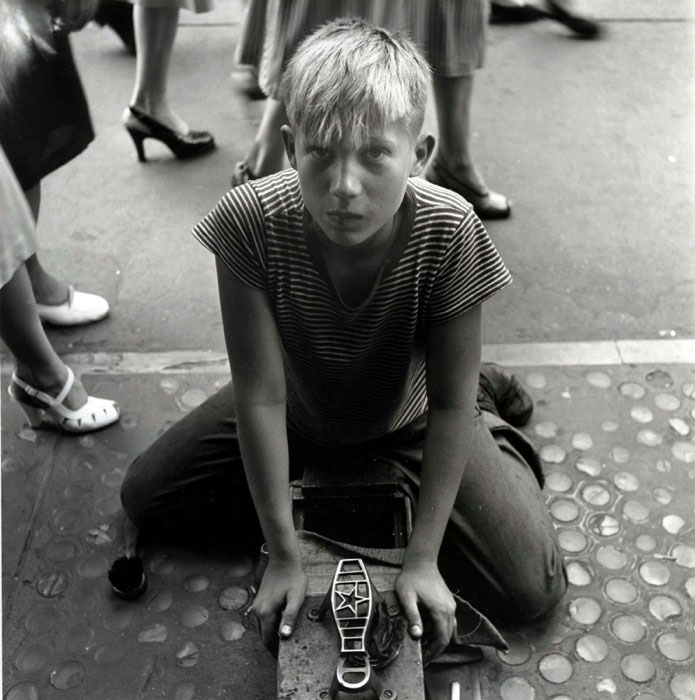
x=285, y=631
x=416, y=631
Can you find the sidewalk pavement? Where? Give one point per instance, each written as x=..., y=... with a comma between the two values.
x=618, y=449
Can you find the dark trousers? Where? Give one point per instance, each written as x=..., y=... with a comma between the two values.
x=499, y=551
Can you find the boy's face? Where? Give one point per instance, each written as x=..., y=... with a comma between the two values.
x=354, y=192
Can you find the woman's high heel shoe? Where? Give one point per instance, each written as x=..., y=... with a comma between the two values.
x=94, y=414
x=487, y=205
x=140, y=126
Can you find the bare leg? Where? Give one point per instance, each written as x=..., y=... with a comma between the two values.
x=267, y=154
x=453, y=102
x=37, y=362
x=155, y=31
x=47, y=289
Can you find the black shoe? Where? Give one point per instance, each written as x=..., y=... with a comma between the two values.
x=141, y=126
x=119, y=16
x=583, y=27
x=502, y=394
x=515, y=14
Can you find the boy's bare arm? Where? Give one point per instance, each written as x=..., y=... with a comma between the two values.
x=453, y=362
x=259, y=393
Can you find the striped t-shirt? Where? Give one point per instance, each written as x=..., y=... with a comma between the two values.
x=354, y=374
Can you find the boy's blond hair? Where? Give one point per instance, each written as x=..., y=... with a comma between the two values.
x=348, y=77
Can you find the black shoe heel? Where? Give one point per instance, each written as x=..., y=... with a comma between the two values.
x=138, y=138
x=141, y=126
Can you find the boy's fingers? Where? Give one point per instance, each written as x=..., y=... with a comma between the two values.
x=412, y=614
x=289, y=615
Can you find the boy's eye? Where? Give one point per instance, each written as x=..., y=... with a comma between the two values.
x=317, y=151
x=377, y=152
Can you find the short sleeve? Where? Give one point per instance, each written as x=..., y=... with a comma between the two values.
x=471, y=272
x=235, y=232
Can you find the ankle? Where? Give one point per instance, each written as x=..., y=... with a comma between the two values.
x=49, y=377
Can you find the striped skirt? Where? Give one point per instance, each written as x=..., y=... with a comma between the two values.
x=450, y=33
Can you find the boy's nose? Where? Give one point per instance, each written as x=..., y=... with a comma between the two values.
x=345, y=182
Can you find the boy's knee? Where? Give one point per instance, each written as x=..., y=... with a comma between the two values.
x=540, y=598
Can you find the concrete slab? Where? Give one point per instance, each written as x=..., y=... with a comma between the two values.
x=617, y=446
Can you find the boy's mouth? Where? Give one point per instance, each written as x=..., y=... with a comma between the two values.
x=343, y=216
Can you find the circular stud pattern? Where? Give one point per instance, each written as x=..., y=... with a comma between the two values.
x=585, y=611
x=684, y=451
x=563, y=510
x=679, y=426
x=620, y=590
x=588, y=465
x=188, y=655
x=182, y=691
x=683, y=686
x=232, y=630
x=626, y=481
x=631, y=390
x=169, y=385
x=517, y=688
x=582, y=441
x=52, y=584
x=635, y=511
x=673, y=524
x=161, y=601
x=41, y=620
x=154, y=634
x=577, y=575
x=641, y=414
x=663, y=607
x=93, y=566
x=646, y=543
x=108, y=654
x=118, y=620
x=684, y=555
x=604, y=525
x=196, y=584
x=637, y=667
x=240, y=568
x=558, y=482
x=654, y=573
x=667, y=402
x=662, y=495
x=650, y=438
x=162, y=564
x=690, y=587
x=31, y=658
x=67, y=674
x=572, y=541
x=591, y=648
x=26, y=690
x=519, y=650
x=194, y=616
x=609, y=426
x=546, y=429
x=555, y=668
x=553, y=454
x=60, y=549
x=596, y=495
x=660, y=378
x=611, y=558
x=628, y=628
x=620, y=454
x=233, y=598
x=192, y=398
x=599, y=379
x=673, y=647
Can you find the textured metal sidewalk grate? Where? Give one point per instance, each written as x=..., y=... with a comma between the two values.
x=618, y=448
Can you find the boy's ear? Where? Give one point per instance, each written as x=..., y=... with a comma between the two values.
x=424, y=148
x=289, y=141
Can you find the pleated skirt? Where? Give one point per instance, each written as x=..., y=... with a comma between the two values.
x=451, y=34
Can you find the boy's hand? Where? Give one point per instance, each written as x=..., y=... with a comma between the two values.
x=279, y=600
x=420, y=587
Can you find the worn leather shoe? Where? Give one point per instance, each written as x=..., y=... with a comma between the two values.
x=80, y=308
x=502, y=394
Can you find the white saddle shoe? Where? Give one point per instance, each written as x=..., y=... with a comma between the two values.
x=80, y=308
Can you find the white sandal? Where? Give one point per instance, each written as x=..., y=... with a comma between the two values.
x=80, y=308
x=94, y=414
